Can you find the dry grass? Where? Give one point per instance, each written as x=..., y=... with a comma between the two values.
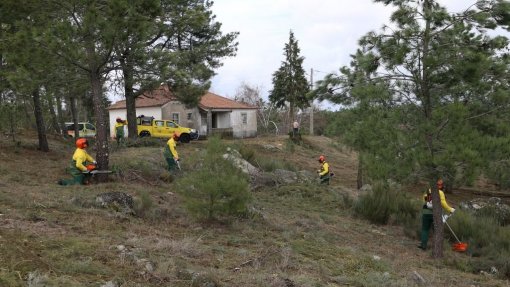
x=304, y=235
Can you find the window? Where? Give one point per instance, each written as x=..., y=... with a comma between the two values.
x=175, y=117
x=160, y=123
x=90, y=127
x=244, y=118
x=190, y=115
x=171, y=124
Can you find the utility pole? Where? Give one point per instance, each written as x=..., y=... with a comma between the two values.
x=311, y=104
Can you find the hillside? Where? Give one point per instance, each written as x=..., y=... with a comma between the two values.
x=298, y=235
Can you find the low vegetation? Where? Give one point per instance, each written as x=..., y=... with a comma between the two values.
x=286, y=235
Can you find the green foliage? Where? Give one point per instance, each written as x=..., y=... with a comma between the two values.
x=487, y=240
x=414, y=108
x=289, y=81
x=142, y=204
x=216, y=191
x=383, y=203
x=247, y=152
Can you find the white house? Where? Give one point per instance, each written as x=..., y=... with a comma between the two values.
x=214, y=114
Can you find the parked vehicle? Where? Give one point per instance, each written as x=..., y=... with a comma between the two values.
x=150, y=127
x=86, y=129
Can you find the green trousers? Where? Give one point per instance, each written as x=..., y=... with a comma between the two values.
x=325, y=179
x=172, y=165
x=78, y=176
x=427, y=222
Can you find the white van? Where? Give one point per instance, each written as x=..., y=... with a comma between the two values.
x=86, y=129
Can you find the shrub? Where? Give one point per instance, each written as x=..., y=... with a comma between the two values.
x=488, y=241
x=217, y=190
x=247, y=153
x=383, y=203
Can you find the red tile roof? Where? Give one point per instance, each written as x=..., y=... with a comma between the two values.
x=155, y=98
x=163, y=95
x=213, y=101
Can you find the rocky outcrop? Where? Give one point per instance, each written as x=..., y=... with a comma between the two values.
x=118, y=201
x=259, y=178
x=492, y=206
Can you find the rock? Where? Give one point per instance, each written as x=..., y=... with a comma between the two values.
x=35, y=279
x=119, y=201
x=240, y=163
x=271, y=147
x=285, y=176
x=111, y=284
x=365, y=188
x=493, y=205
x=418, y=278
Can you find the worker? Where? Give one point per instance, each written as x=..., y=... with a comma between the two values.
x=170, y=153
x=78, y=166
x=119, y=130
x=324, y=171
x=427, y=218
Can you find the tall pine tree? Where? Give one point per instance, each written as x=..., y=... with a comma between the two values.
x=431, y=87
x=289, y=81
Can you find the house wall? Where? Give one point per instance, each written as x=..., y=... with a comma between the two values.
x=241, y=130
x=148, y=112
x=176, y=107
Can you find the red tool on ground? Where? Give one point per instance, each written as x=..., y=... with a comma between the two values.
x=459, y=246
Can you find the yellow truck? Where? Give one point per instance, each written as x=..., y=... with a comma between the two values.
x=150, y=127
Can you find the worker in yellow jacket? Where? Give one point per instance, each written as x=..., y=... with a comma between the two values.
x=324, y=175
x=119, y=130
x=78, y=166
x=170, y=153
x=427, y=218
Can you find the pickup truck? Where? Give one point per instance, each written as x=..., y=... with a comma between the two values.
x=150, y=127
x=86, y=129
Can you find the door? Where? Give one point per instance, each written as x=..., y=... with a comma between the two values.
x=171, y=127
x=159, y=127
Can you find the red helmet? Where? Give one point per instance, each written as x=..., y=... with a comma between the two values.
x=82, y=143
x=176, y=135
x=439, y=183
x=322, y=159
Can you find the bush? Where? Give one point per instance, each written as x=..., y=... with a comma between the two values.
x=217, y=190
x=487, y=240
x=383, y=203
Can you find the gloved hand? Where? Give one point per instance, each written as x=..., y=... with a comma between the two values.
x=429, y=205
x=453, y=210
x=94, y=162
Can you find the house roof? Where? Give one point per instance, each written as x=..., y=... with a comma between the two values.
x=154, y=98
x=213, y=101
x=163, y=95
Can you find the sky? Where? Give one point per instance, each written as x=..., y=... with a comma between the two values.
x=327, y=32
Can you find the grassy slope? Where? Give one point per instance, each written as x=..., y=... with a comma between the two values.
x=302, y=235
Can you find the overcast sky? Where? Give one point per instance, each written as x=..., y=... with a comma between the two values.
x=327, y=32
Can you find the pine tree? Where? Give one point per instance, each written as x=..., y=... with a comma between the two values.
x=424, y=94
x=289, y=81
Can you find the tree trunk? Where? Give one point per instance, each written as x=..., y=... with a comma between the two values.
x=60, y=114
x=127, y=69
x=101, y=124
x=39, y=121
x=74, y=115
x=427, y=104
x=437, y=252
x=54, y=120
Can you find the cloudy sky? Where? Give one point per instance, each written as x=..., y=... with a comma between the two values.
x=327, y=32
